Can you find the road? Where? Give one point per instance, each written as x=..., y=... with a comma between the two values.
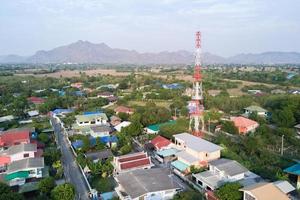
x=71, y=170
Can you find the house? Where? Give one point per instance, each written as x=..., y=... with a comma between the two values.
x=124, y=109
x=259, y=110
x=105, y=94
x=99, y=155
x=115, y=120
x=172, y=86
x=166, y=155
x=146, y=184
x=14, y=137
x=278, y=91
x=62, y=111
x=154, y=129
x=33, y=113
x=220, y=172
x=18, y=171
x=36, y=100
x=297, y=127
x=109, y=141
x=100, y=131
x=195, y=151
x=160, y=143
x=139, y=160
x=263, y=191
x=91, y=119
x=6, y=118
x=19, y=152
x=295, y=171
x=244, y=125
x=285, y=187
x=122, y=125
x=77, y=85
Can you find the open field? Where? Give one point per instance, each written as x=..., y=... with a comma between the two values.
x=157, y=102
x=76, y=73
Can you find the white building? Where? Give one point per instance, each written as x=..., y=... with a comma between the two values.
x=220, y=172
x=91, y=119
x=146, y=184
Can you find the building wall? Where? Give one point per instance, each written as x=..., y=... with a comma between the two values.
x=20, y=156
x=98, y=121
x=99, y=134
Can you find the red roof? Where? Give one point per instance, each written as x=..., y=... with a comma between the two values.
x=9, y=138
x=132, y=158
x=36, y=100
x=4, y=160
x=135, y=163
x=243, y=123
x=160, y=142
x=123, y=109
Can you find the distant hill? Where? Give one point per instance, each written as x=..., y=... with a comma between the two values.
x=87, y=52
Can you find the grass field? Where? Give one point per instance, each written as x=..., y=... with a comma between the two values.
x=160, y=103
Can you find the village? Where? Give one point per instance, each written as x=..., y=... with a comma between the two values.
x=130, y=138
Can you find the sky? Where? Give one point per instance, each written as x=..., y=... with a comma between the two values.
x=228, y=27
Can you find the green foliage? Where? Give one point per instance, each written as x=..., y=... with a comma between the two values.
x=284, y=118
x=228, y=126
x=43, y=137
x=7, y=194
x=126, y=149
x=188, y=195
x=230, y=191
x=46, y=185
x=51, y=155
x=180, y=126
x=102, y=184
x=195, y=170
x=123, y=116
x=63, y=192
x=134, y=129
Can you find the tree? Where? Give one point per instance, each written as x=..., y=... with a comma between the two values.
x=229, y=127
x=43, y=137
x=284, y=118
x=63, y=192
x=126, y=149
x=188, y=195
x=7, y=194
x=134, y=129
x=46, y=185
x=230, y=191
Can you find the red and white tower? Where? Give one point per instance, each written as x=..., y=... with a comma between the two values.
x=196, y=108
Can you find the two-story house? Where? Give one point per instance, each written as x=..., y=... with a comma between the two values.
x=220, y=172
x=195, y=151
x=14, y=137
x=256, y=109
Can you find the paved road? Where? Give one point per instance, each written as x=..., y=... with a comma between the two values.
x=71, y=169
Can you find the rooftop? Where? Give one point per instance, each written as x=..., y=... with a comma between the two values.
x=139, y=182
x=179, y=165
x=230, y=167
x=24, y=164
x=160, y=142
x=213, y=180
x=10, y=137
x=265, y=191
x=167, y=152
x=243, y=121
x=90, y=117
x=19, y=148
x=284, y=186
x=156, y=127
x=186, y=156
x=294, y=169
x=122, y=125
x=101, y=128
x=196, y=143
x=104, y=154
x=256, y=109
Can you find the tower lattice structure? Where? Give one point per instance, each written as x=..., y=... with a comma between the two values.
x=196, y=108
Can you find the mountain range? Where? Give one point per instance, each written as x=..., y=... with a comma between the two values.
x=87, y=52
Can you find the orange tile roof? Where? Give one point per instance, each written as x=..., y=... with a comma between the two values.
x=160, y=142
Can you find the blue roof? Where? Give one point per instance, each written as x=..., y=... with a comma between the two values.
x=167, y=152
x=179, y=165
x=79, y=93
x=61, y=93
x=107, y=195
x=172, y=86
x=92, y=112
x=295, y=169
x=106, y=139
x=62, y=110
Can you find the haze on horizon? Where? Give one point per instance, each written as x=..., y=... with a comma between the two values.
x=228, y=27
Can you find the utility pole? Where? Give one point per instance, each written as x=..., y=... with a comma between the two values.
x=282, y=145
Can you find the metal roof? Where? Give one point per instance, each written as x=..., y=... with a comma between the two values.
x=196, y=143
x=255, y=108
x=142, y=181
x=24, y=164
x=211, y=179
x=284, y=186
x=186, y=156
x=230, y=167
x=104, y=154
x=19, y=148
x=83, y=118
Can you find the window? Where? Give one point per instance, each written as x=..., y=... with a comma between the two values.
x=200, y=183
x=26, y=155
x=93, y=122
